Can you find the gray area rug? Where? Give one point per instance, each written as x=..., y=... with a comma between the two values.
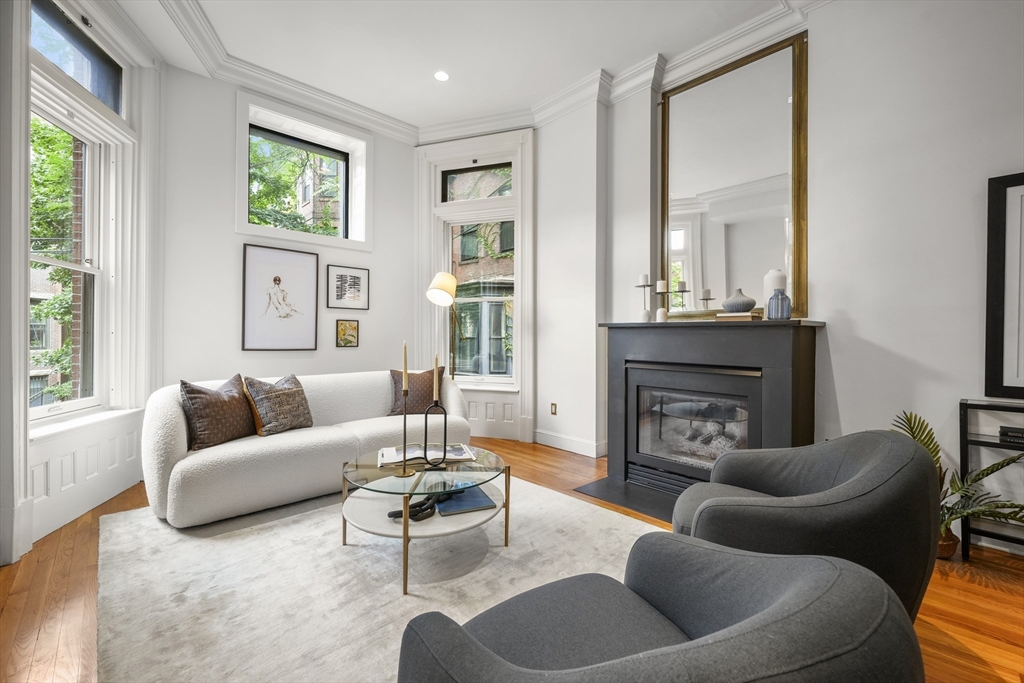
x=274, y=596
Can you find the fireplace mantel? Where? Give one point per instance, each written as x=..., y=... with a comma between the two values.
x=778, y=354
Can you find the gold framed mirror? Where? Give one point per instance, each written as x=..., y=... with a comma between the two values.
x=734, y=181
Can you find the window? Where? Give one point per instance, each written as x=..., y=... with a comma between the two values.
x=38, y=329
x=484, y=299
x=37, y=394
x=476, y=182
x=62, y=291
x=508, y=236
x=58, y=39
x=679, y=263
x=469, y=243
x=278, y=164
x=281, y=149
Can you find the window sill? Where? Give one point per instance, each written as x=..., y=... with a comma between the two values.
x=305, y=237
x=482, y=385
x=57, y=427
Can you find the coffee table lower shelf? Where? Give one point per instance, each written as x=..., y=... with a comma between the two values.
x=368, y=511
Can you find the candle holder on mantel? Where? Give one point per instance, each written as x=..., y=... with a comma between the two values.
x=406, y=472
x=645, y=317
x=682, y=299
x=706, y=300
x=431, y=465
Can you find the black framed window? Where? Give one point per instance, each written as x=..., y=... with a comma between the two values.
x=507, y=236
x=476, y=182
x=59, y=39
x=469, y=243
x=297, y=185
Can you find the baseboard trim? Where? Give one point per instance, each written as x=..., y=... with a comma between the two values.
x=591, y=449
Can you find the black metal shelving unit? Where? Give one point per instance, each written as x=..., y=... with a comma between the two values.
x=967, y=440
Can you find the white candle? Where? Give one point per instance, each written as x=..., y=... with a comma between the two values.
x=705, y=294
x=435, y=377
x=645, y=279
x=405, y=367
x=662, y=287
x=681, y=286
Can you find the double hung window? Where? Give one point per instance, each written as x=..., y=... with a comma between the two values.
x=76, y=186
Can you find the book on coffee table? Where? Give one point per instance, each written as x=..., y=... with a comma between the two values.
x=457, y=452
x=469, y=500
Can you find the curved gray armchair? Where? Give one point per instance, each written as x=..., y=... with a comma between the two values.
x=870, y=497
x=689, y=611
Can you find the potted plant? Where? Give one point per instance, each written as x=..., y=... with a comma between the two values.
x=964, y=497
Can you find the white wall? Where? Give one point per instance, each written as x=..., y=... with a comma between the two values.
x=570, y=246
x=913, y=106
x=203, y=254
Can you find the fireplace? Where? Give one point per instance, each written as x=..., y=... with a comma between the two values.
x=683, y=417
x=682, y=393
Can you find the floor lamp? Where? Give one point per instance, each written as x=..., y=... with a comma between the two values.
x=442, y=293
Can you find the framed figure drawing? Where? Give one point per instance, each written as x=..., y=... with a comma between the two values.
x=348, y=287
x=279, y=299
x=1004, y=310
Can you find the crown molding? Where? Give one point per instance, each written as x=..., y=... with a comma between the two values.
x=759, y=186
x=478, y=125
x=196, y=28
x=594, y=88
x=785, y=19
x=646, y=75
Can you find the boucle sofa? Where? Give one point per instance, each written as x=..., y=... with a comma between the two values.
x=350, y=417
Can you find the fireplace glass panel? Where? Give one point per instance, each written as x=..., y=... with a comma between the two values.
x=690, y=427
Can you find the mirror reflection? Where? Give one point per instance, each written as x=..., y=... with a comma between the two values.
x=730, y=151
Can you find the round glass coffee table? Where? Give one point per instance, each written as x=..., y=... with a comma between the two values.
x=380, y=490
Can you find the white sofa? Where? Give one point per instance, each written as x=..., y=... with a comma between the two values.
x=242, y=476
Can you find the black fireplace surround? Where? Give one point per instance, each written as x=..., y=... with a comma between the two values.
x=681, y=393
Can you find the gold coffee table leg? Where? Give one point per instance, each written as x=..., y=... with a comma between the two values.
x=405, y=544
x=508, y=489
x=344, y=497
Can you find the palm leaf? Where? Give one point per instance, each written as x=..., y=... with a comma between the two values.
x=974, y=477
x=918, y=429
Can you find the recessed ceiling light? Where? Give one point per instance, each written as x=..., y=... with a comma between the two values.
x=441, y=76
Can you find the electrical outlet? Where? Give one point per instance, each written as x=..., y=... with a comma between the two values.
x=554, y=409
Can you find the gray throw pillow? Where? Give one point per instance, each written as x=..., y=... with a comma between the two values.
x=215, y=416
x=278, y=407
x=421, y=390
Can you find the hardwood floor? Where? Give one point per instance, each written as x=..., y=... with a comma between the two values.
x=971, y=625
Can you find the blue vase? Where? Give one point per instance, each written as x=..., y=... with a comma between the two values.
x=779, y=306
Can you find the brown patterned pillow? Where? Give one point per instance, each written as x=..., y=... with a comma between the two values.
x=216, y=415
x=278, y=407
x=421, y=390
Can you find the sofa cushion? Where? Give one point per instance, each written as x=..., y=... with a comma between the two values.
x=378, y=432
x=695, y=496
x=278, y=407
x=214, y=416
x=251, y=474
x=421, y=390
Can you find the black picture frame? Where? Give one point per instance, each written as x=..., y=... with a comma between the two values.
x=339, y=292
x=995, y=294
x=339, y=338
x=280, y=268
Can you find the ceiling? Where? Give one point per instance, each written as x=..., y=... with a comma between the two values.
x=502, y=56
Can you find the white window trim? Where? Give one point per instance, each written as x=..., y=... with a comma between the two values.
x=298, y=123
x=433, y=244
x=63, y=101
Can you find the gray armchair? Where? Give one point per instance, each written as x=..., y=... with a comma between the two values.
x=689, y=611
x=870, y=497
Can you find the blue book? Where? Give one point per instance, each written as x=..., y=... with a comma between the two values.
x=470, y=500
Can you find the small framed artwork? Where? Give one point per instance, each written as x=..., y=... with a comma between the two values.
x=279, y=299
x=348, y=287
x=347, y=334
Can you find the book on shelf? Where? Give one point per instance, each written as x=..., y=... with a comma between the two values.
x=1015, y=440
x=746, y=315
x=469, y=500
x=1017, y=432
x=391, y=456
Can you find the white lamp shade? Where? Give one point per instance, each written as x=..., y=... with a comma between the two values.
x=442, y=289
